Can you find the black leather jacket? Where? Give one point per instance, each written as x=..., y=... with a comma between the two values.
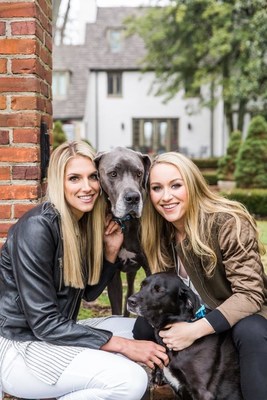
x=34, y=302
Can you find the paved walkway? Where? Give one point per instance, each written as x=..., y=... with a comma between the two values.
x=153, y=393
x=160, y=393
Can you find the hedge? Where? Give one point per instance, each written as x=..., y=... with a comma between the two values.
x=210, y=177
x=255, y=200
x=205, y=163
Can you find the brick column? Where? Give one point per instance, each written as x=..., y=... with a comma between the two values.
x=25, y=103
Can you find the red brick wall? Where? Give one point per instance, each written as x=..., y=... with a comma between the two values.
x=25, y=102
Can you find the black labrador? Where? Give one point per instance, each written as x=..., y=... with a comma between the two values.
x=208, y=369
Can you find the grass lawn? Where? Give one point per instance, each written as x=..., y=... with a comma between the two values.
x=100, y=307
x=263, y=236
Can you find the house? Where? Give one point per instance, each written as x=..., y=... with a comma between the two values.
x=101, y=94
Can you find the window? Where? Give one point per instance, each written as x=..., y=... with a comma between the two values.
x=115, y=40
x=155, y=135
x=60, y=85
x=114, y=83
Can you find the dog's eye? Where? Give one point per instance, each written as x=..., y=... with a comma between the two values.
x=113, y=174
x=157, y=288
x=139, y=174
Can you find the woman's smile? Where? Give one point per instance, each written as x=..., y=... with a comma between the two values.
x=81, y=185
x=168, y=192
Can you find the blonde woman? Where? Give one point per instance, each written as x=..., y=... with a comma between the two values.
x=61, y=251
x=213, y=244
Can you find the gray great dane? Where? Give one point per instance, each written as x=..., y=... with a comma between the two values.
x=123, y=174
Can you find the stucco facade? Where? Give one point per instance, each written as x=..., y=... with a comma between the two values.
x=109, y=120
x=89, y=110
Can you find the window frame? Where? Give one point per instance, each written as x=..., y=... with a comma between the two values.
x=60, y=78
x=115, y=43
x=114, y=83
x=140, y=142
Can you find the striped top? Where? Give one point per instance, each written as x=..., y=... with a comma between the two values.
x=46, y=361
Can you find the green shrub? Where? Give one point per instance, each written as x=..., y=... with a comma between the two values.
x=208, y=168
x=251, y=163
x=255, y=200
x=227, y=163
x=206, y=163
x=59, y=135
x=210, y=177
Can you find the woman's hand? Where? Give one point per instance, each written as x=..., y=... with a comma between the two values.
x=113, y=239
x=180, y=335
x=143, y=351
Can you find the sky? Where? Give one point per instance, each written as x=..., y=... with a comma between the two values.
x=75, y=26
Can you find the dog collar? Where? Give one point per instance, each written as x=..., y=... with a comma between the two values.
x=121, y=221
x=200, y=313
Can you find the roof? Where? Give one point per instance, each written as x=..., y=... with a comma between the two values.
x=72, y=59
x=100, y=55
x=95, y=54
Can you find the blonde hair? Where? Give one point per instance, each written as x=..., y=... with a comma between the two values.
x=82, y=240
x=203, y=205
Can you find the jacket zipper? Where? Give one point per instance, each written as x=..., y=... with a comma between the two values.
x=60, y=262
x=74, y=304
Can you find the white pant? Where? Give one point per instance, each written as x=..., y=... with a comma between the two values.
x=92, y=375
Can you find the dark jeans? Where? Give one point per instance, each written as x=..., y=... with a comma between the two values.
x=250, y=338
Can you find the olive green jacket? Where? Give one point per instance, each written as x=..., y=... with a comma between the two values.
x=238, y=287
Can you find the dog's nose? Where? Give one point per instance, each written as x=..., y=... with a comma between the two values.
x=132, y=197
x=131, y=302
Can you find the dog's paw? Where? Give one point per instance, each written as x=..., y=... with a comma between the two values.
x=183, y=394
x=157, y=377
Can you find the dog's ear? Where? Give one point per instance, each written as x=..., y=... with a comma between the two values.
x=189, y=298
x=190, y=304
x=98, y=157
x=193, y=302
x=147, y=163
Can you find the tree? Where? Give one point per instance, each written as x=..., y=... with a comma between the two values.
x=59, y=135
x=251, y=163
x=227, y=163
x=55, y=12
x=191, y=43
x=60, y=19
